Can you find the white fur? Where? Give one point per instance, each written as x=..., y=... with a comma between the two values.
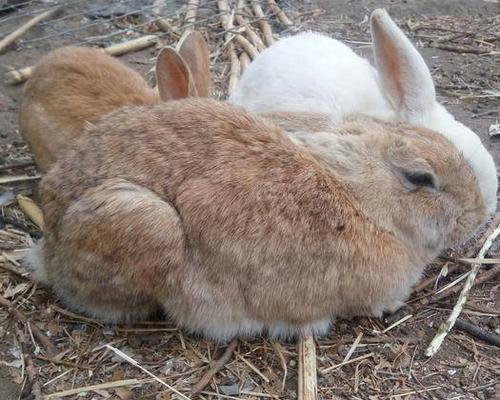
x=33, y=262
x=311, y=72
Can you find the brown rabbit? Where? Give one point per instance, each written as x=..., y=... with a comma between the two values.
x=215, y=215
x=74, y=86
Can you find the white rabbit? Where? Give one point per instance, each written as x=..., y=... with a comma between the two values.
x=312, y=72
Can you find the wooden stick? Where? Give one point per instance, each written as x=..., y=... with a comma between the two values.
x=307, y=369
x=18, y=178
x=22, y=30
x=214, y=368
x=483, y=277
x=140, y=43
x=280, y=13
x=488, y=337
x=253, y=368
x=235, y=72
x=64, y=362
x=18, y=76
x=458, y=48
x=264, y=24
x=101, y=386
x=242, y=21
x=244, y=62
x=192, y=11
x=161, y=22
x=252, y=36
x=36, y=388
x=136, y=364
x=457, y=309
x=279, y=352
x=247, y=46
x=352, y=360
x=44, y=340
x=429, y=281
x=227, y=24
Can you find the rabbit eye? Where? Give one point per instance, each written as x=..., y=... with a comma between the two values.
x=418, y=179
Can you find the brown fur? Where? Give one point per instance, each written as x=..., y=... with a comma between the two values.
x=218, y=217
x=73, y=86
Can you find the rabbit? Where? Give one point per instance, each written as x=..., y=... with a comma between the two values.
x=235, y=228
x=312, y=72
x=74, y=86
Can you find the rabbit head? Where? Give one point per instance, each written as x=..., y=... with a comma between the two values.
x=409, y=180
x=407, y=83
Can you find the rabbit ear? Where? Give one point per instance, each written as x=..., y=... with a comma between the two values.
x=402, y=71
x=172, y=76
x=194, y=50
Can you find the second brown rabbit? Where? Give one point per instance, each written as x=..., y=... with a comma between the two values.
x=219, y=218
x=74, y=86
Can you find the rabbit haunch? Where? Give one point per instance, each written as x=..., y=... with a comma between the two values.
x=219, y=218
x=72, y=87
x=312, y=72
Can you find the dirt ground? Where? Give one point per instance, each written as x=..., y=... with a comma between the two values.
x=466, y=69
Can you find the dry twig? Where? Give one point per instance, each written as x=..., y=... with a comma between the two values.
x=283, y=18
x=458, y=49
x=244, y=62
x=191, y=11
x=446, y=326
x=36, y=388
x=44, y=340
x=136, y=364
x=488, y=337
x=101, y=386
x=21, y=75
x=227, y=23
x=307, y=369
x=214, y=368
x=244, y=24
x=22, y=30
x=264, y=24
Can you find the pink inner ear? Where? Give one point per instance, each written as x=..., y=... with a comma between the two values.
x=391, y=63
x=173, y=82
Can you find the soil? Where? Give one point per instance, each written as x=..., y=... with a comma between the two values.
x=465, y=367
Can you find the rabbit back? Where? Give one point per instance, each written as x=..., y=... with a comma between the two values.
x=296, y=74
x=70, y=88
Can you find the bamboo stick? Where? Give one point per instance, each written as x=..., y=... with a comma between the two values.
x=280, y=14
x=20, y=75
x=264, y=24
x=140, y=43
x=192, y=11
x=244, y=62
x=22, y=30
x=244, y=24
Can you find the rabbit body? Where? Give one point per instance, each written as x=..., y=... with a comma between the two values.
x=330, y=78
x=71, y=87
x=219, y=218
x=312, y=72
